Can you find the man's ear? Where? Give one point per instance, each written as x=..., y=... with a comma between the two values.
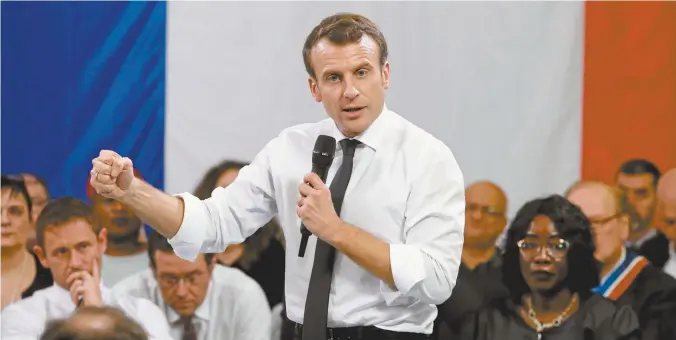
x=103, y=240
x=314, y=89
x=386, y=75
x=41, y=256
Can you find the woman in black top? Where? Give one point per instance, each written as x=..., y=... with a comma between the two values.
x=22, y=273
x=549, y=270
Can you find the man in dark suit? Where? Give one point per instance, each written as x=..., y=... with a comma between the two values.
x=479, y=273
x=626, y=277
x=637, y=180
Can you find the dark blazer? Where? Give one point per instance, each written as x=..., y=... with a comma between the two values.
x=652, y=295
x=596, y=319
x=655, y=249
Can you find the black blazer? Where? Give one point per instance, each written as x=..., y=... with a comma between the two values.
x=596, y=319
x=652, y=295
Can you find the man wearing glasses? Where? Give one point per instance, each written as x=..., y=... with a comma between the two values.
x=478, y=276
x=626, y=277
x=201, y=300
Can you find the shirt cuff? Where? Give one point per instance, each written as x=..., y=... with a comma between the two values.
x=188, y=240
x=408, y=269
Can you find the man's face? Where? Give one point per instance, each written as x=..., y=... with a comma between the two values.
x=120, y=221
x=666, y=221
x=16, y=223
x=639, y=193
x=484, y=214
x=609, y=226
x=350, y=83
x=71, y=247
x=183, y=283
x=38, y=194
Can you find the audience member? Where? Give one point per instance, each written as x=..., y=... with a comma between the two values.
x=38, y=191
x=262, y=254
x=549, y=269
x=95, y=323
x=22, y=273
x=637, y=180
x=125, y=254
x=666, y=194
x=479, y=273
x=201, y=300
x=626, y=277
x=70, y=243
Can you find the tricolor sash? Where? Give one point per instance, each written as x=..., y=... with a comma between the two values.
x=621, y=278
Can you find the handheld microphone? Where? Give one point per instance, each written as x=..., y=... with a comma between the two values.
x=322, y=157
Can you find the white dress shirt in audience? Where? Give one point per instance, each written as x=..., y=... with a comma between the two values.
x=235, y=307
x=115, y=268
x=406, y=189
x=670, y=266
x=26, y=319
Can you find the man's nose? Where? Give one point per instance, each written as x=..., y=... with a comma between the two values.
x=77, y=260
x=181, y=288
x=351, y=91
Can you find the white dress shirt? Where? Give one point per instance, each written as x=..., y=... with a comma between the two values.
x=27, y=318
x=234, y=308
x=406, y=189
x=670, y=266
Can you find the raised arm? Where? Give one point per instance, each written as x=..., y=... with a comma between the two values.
x=193, y=226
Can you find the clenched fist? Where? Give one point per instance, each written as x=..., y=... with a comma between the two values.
x=111, y=174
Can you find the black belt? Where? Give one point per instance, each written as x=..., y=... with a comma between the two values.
x=351, y=333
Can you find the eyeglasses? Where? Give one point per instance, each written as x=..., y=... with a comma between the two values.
x=556, y=247
x=599, y=223
x=168, y=280
x=485, y=210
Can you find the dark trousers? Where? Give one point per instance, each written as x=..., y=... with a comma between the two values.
x=294, y=331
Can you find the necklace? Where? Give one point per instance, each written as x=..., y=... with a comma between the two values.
x=539, y=326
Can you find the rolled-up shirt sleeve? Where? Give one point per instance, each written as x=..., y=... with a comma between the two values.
x=425, y=266
x=231, y=214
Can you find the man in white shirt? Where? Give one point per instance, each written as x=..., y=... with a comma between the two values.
x=394, y=211
x=70, y=244
x=202, y=300
x=666, y=195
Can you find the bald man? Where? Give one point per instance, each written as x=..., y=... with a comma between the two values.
x=626, y=277
x=666, y=212
x=479, y=273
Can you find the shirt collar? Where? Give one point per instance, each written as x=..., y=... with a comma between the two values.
x=201, y=313
x=374, y=135
x=617, y=265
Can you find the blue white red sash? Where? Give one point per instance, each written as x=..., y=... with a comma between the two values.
x=621, y=278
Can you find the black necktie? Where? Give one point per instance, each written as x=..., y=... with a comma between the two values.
x=317, y=302
x=189, y=332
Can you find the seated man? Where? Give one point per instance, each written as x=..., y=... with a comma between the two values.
x=201, y=300
x=666, y=196
x=626, y=277
x=95, y=323
x=70, y=244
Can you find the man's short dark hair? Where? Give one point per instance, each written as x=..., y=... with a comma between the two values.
x=113, y=325
x=210, y=178
x=61, y=211
x=573, y=226
x=16, y=185
x=157, y=242
x=342, y=29
x=640, y=166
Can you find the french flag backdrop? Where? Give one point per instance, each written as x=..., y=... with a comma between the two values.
x=531, y=95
